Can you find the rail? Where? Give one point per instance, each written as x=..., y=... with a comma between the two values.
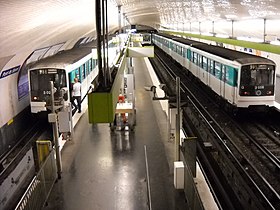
x=39, y=189
x=222, y=141
x=148, y=180
x=8, y=160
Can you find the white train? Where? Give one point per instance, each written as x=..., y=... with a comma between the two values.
x=147, y=39
x=62, y=68
x=243, y=80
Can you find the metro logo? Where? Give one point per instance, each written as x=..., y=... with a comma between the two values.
x=9, y=72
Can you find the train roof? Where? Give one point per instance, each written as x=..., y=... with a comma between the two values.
x=240, y=57
x=65, y=57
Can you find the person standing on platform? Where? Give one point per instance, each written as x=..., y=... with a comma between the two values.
x=76, y=94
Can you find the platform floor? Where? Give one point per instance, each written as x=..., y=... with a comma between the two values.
x=105, y=170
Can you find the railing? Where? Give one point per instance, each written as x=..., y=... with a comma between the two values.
x=148, y=180
x=39, y=189
x=190, y=187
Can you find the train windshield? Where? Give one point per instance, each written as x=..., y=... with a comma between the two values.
x=40, y=82
x=257, y=74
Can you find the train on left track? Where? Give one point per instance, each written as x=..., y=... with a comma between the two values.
x=240, y=79
x=61, y=68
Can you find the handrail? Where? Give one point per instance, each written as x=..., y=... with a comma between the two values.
x=40, y=188
x=148, y=179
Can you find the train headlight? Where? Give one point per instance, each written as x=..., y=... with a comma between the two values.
x=258, y=92
x=35, y=98
x=269, y=92
x=246, y=93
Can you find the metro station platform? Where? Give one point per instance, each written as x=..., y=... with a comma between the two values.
x=105, y=170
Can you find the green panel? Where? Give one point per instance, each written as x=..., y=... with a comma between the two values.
x=102, y=105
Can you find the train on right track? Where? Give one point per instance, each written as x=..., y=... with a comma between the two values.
x=242, y=80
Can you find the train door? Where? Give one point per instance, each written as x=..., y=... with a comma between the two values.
x=203, y=69
x=207, y=70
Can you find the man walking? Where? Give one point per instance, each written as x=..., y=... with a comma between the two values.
x=76, y=94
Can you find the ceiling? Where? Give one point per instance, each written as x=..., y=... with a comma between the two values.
x=27, y=25
x=169, y=11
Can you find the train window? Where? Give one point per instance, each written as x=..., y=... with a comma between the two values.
x=217, y=70
x=40, y=82
x=83, y=67
x=198, y=62
x=211, y=68
x=230, y=75
x=86, y=68
x=194, y=57
x=257, y=75
x=204, y=63
x=173, y=47
x=81, y=73
x=77, y=73
x=90, y=65
x=223, y=73
x=72, y=75
x=189, y=54
x=179, y=50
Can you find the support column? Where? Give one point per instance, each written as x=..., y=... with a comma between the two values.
x=178, y=120
x=120, y=20
x=232, y=35
x=99, y=39
x=107, y=41
x=104, y=42
x=264, y=30
x=55, y=133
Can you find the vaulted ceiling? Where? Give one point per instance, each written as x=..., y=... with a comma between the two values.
x=168, y=11
x=26, y=25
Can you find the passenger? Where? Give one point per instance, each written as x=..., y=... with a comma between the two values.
x=76, y=94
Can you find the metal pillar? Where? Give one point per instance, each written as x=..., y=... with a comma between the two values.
x=104, y=42
x=232, y=21
x=264, y=30
x=213, y=28
x=107, y=40
x=98, y=33
x=55, y=134
x=120, y=19
x=178, y=120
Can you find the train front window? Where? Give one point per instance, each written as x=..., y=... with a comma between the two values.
x=40, y=82
x=257, y=74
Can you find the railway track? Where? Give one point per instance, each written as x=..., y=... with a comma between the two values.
x=247, y=155
x=9, y=160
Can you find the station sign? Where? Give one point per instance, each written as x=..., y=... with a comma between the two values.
x=9, y=72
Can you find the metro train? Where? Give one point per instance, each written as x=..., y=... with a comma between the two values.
x=62, y=68
x=147, y=39
x=242, y=80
